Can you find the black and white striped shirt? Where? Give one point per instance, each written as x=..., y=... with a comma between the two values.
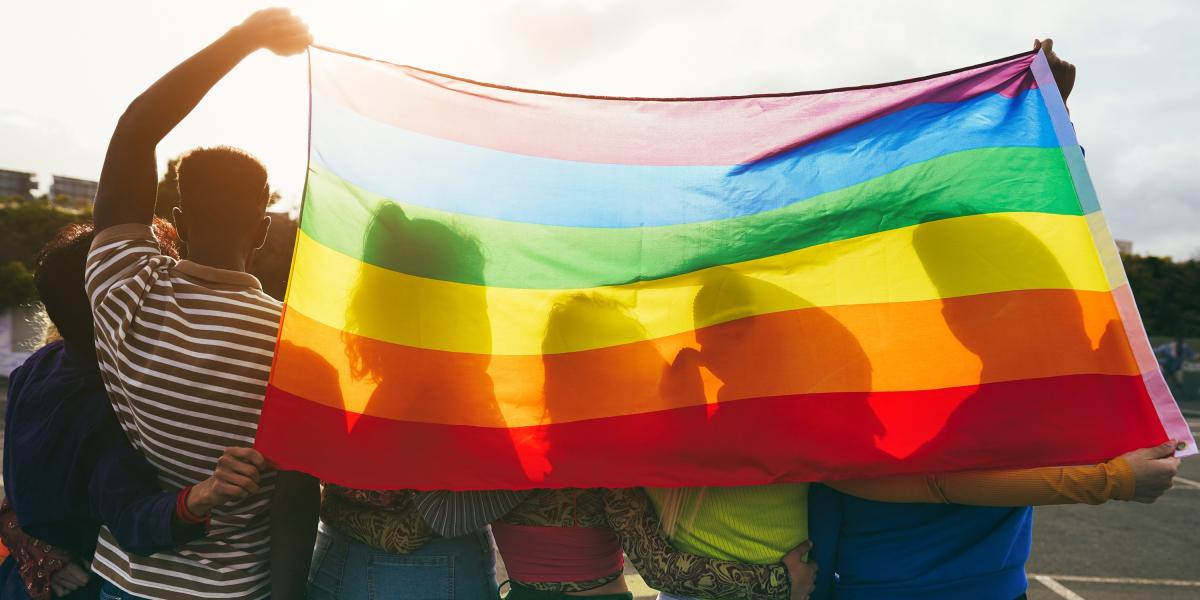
x=185, y=351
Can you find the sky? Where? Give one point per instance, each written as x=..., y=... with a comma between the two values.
x=71, y=67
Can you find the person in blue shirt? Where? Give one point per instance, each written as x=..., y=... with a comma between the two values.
x=68, y=467
x=872, y=550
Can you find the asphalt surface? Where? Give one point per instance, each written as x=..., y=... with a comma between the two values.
x=1123, y=549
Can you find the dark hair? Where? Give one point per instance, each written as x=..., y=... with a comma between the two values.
x=222, y=183
x=59, y=277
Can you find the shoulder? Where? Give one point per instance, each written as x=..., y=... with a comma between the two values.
x=43, y=360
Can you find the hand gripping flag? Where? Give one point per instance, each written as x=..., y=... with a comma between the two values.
x=504, y=288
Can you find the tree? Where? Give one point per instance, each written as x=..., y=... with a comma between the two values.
x=16, y=284
x=168, y=191
x=1167, y=294
x=273, y=262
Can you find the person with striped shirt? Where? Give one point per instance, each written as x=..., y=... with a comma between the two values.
x=185, y=347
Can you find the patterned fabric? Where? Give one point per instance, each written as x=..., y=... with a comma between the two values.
x=452, y=514
x=632, y=518
x=36, y=559
x=397, y=500
x=383, y=520
x=522, y=592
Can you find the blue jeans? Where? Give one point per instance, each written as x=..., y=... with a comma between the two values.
x=444, y=569
x=108, y=591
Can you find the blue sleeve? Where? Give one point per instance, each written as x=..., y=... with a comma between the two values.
x=125, y=495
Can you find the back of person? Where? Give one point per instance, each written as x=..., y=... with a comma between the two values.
x=563, y=542
x=185, y=350
x=901, y=551
x=754, y=524
x=750, y=524
x=52, y=383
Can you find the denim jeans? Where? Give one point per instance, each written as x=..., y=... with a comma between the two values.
x=444, y=569
x=108, y=591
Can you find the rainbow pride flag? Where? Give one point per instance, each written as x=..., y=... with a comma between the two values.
x=504, y=288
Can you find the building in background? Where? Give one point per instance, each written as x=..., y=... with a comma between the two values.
x=78, y=193
x=17, y=183
x=1124, y=246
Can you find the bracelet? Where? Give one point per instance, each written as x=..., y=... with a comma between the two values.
x=181, y=509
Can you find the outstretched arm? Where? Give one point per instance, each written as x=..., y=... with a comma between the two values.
x=129, y=179
x=1142, y=475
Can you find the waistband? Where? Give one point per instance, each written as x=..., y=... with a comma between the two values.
x=538, y=554
x=521, y=592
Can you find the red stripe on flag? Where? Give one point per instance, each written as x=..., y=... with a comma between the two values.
x=1064, y=420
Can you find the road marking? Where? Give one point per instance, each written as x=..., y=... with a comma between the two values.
x=1187, y=483
x=1057, y=587
x=1120, y=580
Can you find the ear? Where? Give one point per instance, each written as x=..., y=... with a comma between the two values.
x=261, y=231
x=180, y=224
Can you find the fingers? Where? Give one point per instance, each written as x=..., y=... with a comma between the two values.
x=230, y=467
x=1047, y=46
x=278, y=30
x=1161, y=479
x=69, y=578
x=76, y=574
x=804, y=547
x=242, y=486
x=1162, y=450
x=248, y=455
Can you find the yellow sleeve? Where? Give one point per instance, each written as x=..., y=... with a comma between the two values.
x=1092, y=484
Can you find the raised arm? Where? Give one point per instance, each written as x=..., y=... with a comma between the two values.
x=1142, y=475
x=129, y=179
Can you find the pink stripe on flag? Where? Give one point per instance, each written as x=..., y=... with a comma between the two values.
x=642, y=131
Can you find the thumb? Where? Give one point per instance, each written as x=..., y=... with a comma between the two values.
x=804, y=547
x=1162, y=450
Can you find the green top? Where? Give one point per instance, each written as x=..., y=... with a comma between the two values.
x=752, y=524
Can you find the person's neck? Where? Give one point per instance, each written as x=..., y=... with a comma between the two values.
x=218, y=258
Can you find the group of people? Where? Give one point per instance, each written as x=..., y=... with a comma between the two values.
x=130, y=473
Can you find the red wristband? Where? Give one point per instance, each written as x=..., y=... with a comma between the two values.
x=181, y=509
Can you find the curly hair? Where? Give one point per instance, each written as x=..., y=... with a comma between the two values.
x=60, y=272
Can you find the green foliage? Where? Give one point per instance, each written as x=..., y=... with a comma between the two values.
x=273, y=262
x=168, y=191
x=24, y=227
x=1168, y=294
x=16, y=284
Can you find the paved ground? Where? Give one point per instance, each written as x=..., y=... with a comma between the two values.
x=1123, y=550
